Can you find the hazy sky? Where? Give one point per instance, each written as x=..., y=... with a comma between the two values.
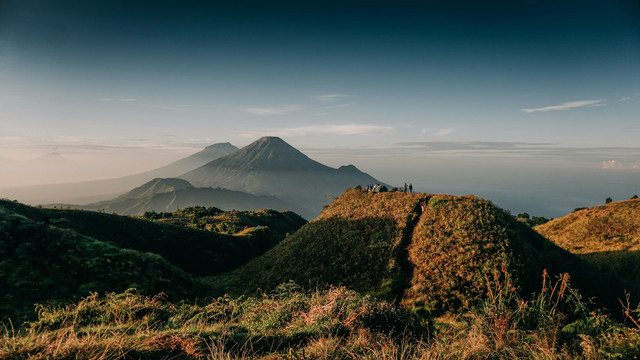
x=470, y=91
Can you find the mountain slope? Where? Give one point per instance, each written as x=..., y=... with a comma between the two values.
x=171, y=194
x=436, y=259
x=270, y=166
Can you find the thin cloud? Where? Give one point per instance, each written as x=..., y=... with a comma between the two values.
x=612, y=164
x=121, y=99
x=273, y=111
x=626, y=98
x=443, y=132
x=567, y=106
x=343, y=129
x=331, y=97
x=340, y=106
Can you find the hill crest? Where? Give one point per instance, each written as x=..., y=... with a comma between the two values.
x=610, y=227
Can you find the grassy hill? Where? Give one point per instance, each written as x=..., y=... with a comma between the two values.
x=47, y=264
x=611, y=227
x=57, y=255
x=606, y=236
x=438, y=259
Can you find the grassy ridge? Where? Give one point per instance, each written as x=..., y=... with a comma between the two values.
x=355, y=242
x=440, y=259
x=460, y=242
x=611, y=227
x=607, y=237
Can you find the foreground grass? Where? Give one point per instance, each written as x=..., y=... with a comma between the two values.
x=337, y=323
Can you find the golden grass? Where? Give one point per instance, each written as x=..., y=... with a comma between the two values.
x=611, y=227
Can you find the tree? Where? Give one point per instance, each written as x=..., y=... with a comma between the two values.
x=634, y=197
x=608, y=200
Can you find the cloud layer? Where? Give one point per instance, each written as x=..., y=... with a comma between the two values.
x=567, y=106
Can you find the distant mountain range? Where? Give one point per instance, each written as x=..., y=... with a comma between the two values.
x=92, y=191
x=268, y=173
x=270, y=166
x=171, y=194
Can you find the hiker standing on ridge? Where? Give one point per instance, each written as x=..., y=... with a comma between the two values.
x=405, y=188
x=411, y=188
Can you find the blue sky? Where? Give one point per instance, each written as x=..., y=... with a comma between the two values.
x=548, y=87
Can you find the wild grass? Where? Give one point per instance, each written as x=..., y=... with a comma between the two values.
x=291, y=323
x=611, y=227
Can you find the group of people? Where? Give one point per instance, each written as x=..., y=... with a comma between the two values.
x=410, y=188
x=373, y=188
x=381, y=188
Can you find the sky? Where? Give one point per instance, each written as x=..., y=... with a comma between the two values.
x=533, y=104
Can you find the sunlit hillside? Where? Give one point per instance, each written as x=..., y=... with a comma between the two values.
x=430, y=252
x=611, y=227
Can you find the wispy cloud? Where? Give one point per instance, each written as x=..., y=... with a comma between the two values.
x=341, y=129
x=273, y=111
x=612, y=164
x=626, y=98
x=567, y=106
x=616, y=165
x=331, y=97
x=443, y=132
x=339, y=106
x=121, y=99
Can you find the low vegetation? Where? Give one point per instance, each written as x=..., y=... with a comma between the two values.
x=336, y=323
x=229, y=222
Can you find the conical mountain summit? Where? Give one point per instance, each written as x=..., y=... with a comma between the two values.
x=270, y=166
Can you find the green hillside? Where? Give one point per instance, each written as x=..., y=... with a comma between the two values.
x=47, y=264
x=439, y=259
x=57, y=255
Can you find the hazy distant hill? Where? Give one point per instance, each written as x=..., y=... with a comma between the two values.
x=439, y=258
x=171, y=194
x=270, y=166
x=92, y=191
